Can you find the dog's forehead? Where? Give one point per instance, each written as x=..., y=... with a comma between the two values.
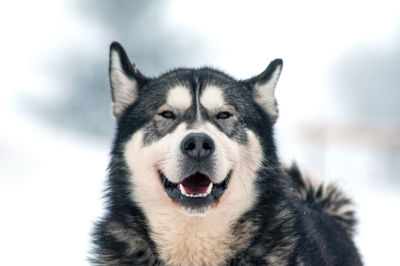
x=212, y=97
x=207, y=87
x=179, y=97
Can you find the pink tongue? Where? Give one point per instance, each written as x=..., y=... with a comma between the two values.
x=196, y=184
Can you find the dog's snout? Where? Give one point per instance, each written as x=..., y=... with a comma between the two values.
x=197, y=146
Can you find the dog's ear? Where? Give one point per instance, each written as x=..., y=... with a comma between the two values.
x=125, y=80
x=263, y=86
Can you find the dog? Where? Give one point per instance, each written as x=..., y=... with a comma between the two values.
x=194, y=177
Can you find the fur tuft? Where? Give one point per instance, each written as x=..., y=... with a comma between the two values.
x=328, y=197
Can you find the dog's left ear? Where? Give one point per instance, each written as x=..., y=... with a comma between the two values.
x=125, y=80
x=263, y=86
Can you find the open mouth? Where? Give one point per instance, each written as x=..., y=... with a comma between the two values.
x=197, y=191
x=196, y=185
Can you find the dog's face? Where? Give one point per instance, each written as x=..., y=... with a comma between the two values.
x=190, y=138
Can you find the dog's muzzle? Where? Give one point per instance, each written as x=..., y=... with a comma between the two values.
x=196, y=192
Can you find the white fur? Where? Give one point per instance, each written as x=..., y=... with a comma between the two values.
x=184, y=239
x=179, y=98
x=124, y=88
x=264, y=94
x=212, y=98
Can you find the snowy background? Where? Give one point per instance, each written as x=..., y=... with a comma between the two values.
x=339, y=98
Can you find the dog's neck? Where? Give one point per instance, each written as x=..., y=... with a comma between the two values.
x=196, y=240
x=186, y=240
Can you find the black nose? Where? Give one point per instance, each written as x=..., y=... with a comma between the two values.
x=197, y=146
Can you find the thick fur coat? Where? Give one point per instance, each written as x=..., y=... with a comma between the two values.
x=228, y=201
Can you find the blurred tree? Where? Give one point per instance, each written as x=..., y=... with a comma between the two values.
x=369, y=92
x=369, y=85
x=140, y=27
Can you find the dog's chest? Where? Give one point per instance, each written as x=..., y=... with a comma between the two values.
x=193, y=241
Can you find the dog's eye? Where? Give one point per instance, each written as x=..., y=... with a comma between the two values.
x=223, y=115
x=167, y=114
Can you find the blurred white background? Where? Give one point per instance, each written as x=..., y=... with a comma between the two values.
x=339, y=98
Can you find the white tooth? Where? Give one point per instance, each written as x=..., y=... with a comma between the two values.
x=182, y=189
x=209, y=189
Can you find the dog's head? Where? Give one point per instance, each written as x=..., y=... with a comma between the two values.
x=192, y=139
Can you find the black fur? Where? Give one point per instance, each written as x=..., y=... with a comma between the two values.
x=285, y=227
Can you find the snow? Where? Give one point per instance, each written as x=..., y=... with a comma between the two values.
x=50, y=194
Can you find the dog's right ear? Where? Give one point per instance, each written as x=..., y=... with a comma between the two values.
x=125, y=80
x=263, y=86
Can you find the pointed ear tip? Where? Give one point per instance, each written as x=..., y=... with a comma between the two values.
x=116, y=46
x=277, y=62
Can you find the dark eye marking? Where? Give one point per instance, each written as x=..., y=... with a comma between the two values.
x=223, y=115
x=167, y=115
